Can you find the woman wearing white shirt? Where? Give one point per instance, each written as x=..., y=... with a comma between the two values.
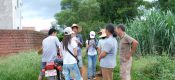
x=91, y=45
x=69, y=61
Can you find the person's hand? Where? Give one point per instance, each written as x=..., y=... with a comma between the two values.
x=77, y=41
x=128, y=55
x=94, y=45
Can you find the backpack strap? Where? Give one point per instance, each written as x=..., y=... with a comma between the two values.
x=73, y=55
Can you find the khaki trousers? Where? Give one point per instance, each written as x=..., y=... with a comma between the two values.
x=125, y=69
x=107, y=73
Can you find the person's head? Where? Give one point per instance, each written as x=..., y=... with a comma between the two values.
x=120, y=29
x=92, y=35
x=67, y=37
x=110, y=30
x=75, y=28
x=52, y=32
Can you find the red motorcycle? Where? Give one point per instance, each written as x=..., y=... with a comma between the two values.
x=53, y=70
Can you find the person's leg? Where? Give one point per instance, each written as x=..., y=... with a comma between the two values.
x=110, y=73
x=80, y=64
x=104, y=73
x=89, y=66
x=41, y=75
x=125, y=69
x=66, y=71
x=107, y=73
x=76, y=72
x=94, y=65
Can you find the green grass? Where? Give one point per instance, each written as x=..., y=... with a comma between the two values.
x=26, y=66
x=151, y=68
x=23, y=66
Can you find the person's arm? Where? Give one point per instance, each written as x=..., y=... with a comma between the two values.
x=60, y=53
x=102, y=55
x=74, y=45
x=57, y=41
x=75, y=51
x=80, y=43
x=134, y=44
x=58, y=44
x=107, y=49
x=87, y=44
x=99, y=50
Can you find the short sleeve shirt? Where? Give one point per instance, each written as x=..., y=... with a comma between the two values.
x=67, y=57
x=125, y=44
x=110, y=47
x=50, y=47
x=101, y=44
x=91, y=50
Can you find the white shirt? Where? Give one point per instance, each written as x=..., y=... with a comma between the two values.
x=91, y=50
x=67, y=57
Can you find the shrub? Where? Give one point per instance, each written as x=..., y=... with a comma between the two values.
x=156, y=33
x=151, y=68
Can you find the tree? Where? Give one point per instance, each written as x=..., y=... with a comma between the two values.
x=118, y=10
x=66, y=17
x=166, y=5
x=86, y=13
x=75, y=11
x=93, y=14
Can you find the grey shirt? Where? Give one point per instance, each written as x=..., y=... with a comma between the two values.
x=50, y=48
x=110, y=47
x=101, y=44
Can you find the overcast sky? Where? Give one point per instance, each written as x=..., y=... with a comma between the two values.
x=39, y=13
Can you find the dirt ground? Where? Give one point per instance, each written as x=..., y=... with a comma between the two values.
x=85, y=74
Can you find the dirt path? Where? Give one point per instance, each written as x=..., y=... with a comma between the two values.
x=85, y=74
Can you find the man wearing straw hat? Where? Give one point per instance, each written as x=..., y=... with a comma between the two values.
x=77, y=29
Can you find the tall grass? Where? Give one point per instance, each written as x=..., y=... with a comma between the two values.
x=23, y=66
x=26, y=66
x=150, y=68
x=156, y=33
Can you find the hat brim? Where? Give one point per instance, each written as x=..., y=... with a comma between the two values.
x=103, y=35
x=92, y=36
x=72, y=32
x=79, y=28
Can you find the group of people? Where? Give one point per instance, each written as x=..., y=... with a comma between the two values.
x=104, y=50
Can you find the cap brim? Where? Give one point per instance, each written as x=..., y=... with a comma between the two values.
x=92, y=36
x=72, y=32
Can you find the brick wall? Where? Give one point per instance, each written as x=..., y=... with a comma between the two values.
x=13, y=41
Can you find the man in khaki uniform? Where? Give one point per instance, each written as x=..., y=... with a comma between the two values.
x=127, y=48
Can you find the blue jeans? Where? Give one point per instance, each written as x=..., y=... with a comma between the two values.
x=69, y=69
x=80, y=63
x=91, y=65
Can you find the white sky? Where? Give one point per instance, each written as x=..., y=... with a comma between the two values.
x=39, y=13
